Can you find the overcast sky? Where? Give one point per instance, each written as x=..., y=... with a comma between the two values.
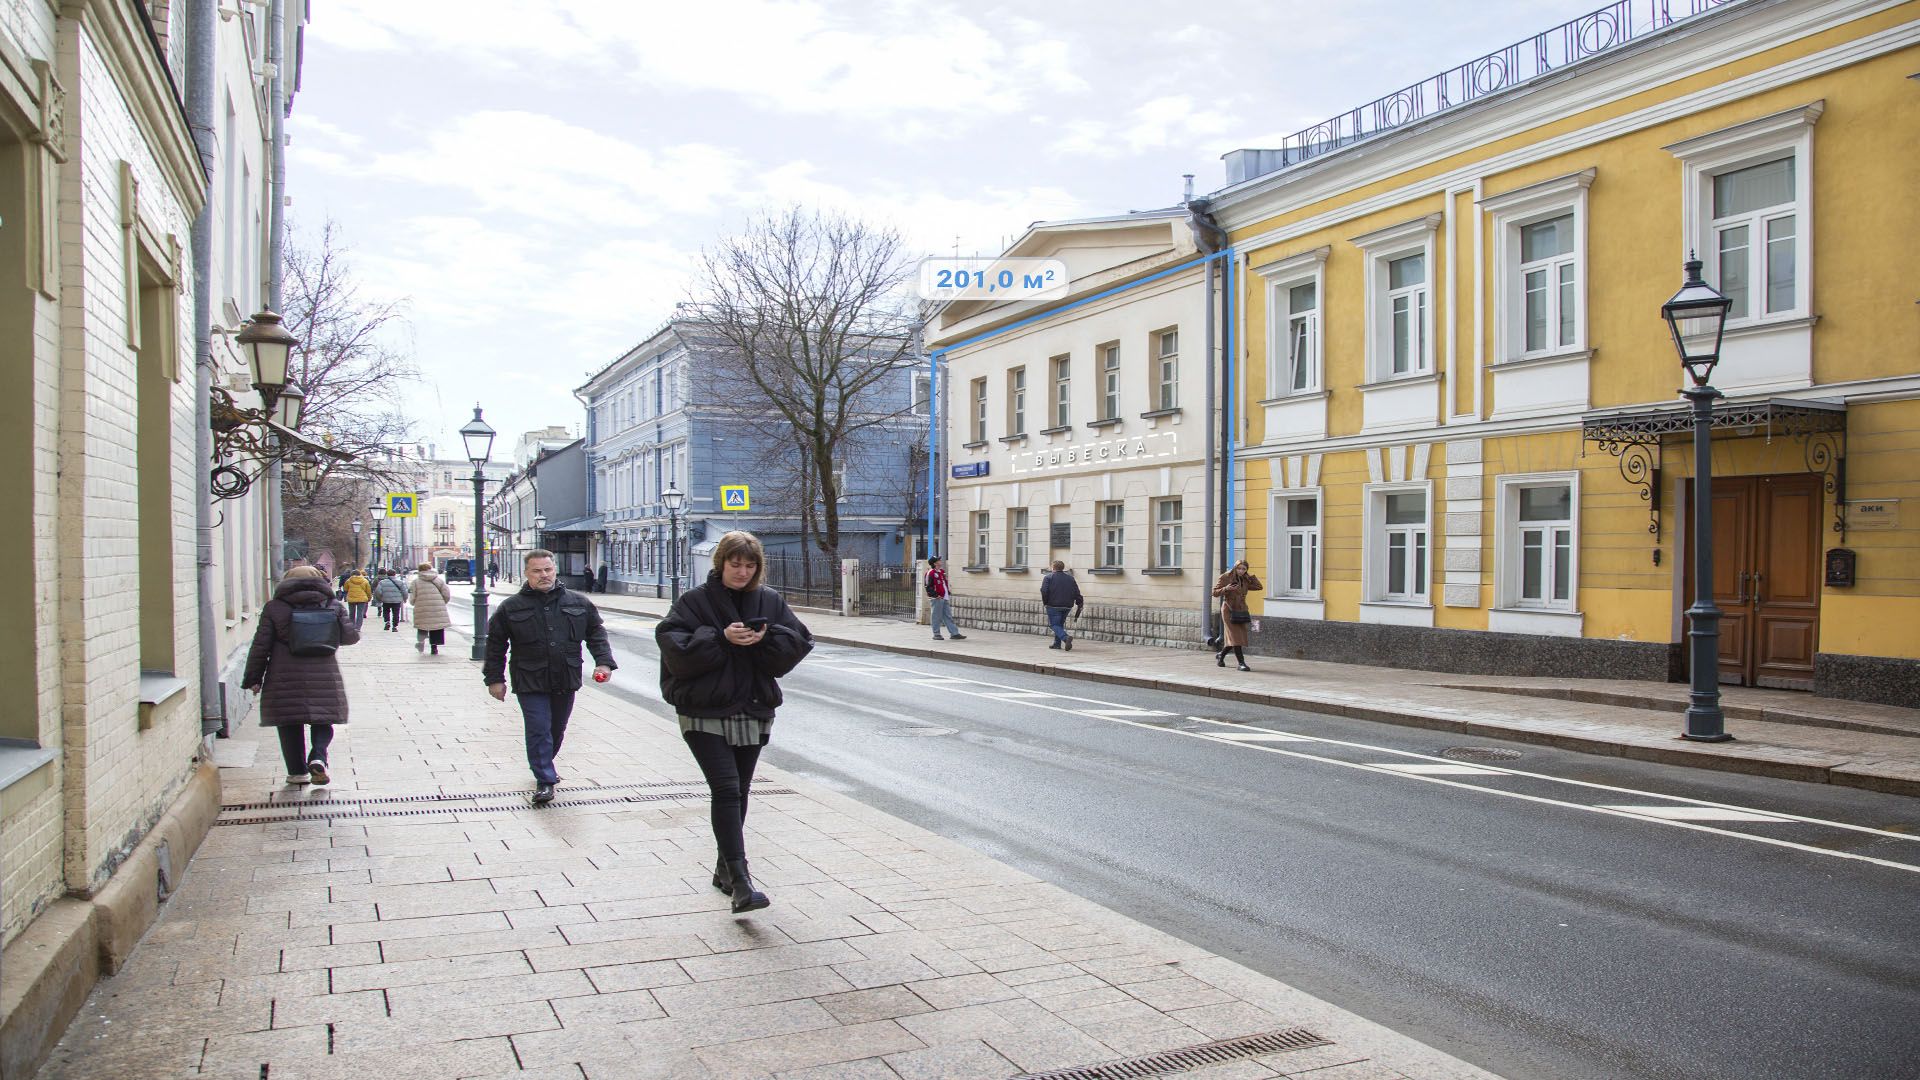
x=537, y=177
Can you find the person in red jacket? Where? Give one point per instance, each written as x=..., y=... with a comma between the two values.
x=942, y=609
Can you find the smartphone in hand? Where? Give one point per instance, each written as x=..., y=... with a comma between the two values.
x=756, y=625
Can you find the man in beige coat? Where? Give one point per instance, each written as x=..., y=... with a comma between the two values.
x=430, y=618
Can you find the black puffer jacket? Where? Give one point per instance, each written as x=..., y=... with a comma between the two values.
x=704, y=674
x=299, y=689
x=544, y=631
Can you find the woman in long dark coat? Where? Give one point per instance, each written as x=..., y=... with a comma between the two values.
x=303, y=695
x=723, y=649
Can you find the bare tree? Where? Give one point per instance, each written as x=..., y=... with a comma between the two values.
x=811, y=310
x=353, y=376
x=354, y=379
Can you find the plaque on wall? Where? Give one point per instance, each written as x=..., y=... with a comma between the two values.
x=1062, y=535
x=1874, y=514
x=1840, y=568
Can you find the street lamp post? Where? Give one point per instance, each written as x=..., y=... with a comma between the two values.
x=1697, y=316
x=673, y=497
x=379, y=512
x=356, y=542
x=479, y=439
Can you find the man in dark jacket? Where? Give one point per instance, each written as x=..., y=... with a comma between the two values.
x=544, y=625
x=1058, y=593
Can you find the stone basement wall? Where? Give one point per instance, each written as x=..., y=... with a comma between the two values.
x=1168, y=628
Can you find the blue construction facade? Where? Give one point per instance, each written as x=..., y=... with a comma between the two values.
x=674, y=412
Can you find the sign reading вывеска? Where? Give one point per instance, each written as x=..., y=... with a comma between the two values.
x=1135, y=449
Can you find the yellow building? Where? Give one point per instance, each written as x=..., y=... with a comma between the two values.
x=1462, y=446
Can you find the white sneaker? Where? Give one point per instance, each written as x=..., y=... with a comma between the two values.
x=299, y=778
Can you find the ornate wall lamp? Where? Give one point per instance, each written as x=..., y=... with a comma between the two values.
x=269, y=433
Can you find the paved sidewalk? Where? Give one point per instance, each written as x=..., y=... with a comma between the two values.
x=1779, y=733
x=419, y=919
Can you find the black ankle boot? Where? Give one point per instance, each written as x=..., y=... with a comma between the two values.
x=722, y=877
x=745, y=896
x=1220, y=658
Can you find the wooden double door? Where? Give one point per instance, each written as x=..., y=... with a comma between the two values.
x=1766, y=577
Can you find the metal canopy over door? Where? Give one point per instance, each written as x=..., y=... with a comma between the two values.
x=1766, y=554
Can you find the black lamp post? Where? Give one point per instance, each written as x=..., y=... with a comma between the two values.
x=673, y=497
x=1697, y=316
x=479, y=439
x=379, y=512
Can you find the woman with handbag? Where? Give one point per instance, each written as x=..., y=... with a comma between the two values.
x=1235, y=620
x=293, y=666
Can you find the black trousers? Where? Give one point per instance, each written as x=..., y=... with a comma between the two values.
x=729, y=773
x=294, y=750
x=390, y=613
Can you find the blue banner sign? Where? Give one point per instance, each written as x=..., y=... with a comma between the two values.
x=970, y=469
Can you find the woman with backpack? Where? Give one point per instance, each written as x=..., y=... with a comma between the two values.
x=430, y=618
x=293, y=666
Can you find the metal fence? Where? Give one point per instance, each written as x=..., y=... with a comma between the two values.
x=813, y=580
x=887, y=590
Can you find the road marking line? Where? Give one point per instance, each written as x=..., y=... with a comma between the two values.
x=1274, y=736
x=1423, y=769
x=1696, y=813
x=1578, y=783
x=1116, y=713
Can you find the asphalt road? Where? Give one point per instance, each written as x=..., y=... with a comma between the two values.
x=1548, y=914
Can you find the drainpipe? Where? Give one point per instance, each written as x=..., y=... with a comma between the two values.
x=201, y=27
x=1209, y=238
x=276, y=231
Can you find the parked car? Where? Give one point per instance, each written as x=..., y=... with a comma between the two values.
x=458, y=570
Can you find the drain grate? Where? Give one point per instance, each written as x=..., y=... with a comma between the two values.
x=506, y=801
x=468, y=796
x=1479, y=753
x=1188, y=1057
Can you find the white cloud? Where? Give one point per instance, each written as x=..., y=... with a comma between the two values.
x=930, y=220
x=1164, y=122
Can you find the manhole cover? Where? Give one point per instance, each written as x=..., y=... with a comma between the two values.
x=917, y=732
x=1479, y=753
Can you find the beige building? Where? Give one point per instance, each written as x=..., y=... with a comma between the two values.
x=105, y=784
x=1075, y=428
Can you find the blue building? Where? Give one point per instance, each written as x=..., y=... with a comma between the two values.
x=674, y=412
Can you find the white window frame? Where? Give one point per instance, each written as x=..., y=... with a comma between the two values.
x=1375, y=546
x=1508, y=562
x=979, y=405
x=1110, y=380
x=1381, y=248
x=1017, y=535
x=1060, y=374
x=1110, y=534
x=1279, y=561
x=982, y=538
x=921, y=394
x=1511, y=212
x=1782, y=134
x=1017, y=401
x=1166, y=370
x=1169, y=535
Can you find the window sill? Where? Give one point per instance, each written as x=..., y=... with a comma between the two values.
x=1010, y=440
x=1056, y=430
x=1544, y=622
x=1111, y=421
x=1296, y=606
x=1755, y=327
x=1545, y=359
x=1163, y=571
x=1016, y=569
x=156, y=689
x=1393, y=381
x=1298, y=395
x=974, y=445
x=1158, y=413
x=1397, y=612
x=19, y=760
x=975, y=569
x=1108, y=570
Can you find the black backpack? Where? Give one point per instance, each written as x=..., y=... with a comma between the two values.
x=928, y=585
x=313, y=632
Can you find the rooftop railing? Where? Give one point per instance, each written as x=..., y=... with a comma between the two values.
x=1592, y=34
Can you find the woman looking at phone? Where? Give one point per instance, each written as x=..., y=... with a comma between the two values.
x=723, y=649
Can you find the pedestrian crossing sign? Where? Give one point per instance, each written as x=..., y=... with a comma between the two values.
x=401, y=504
x=734, y=497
